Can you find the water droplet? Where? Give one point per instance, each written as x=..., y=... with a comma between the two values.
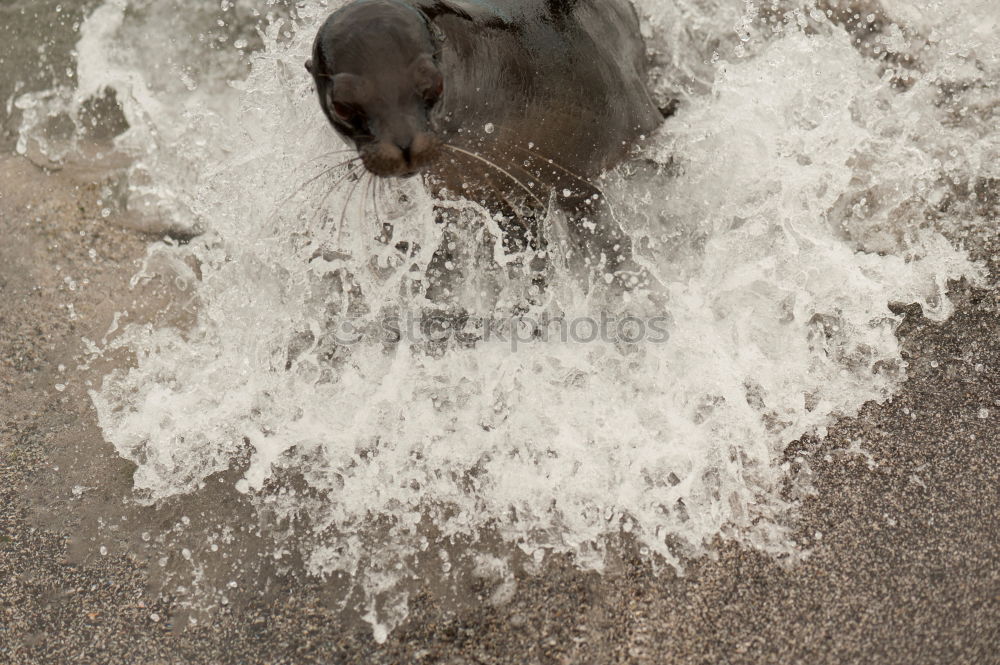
x=490, y=128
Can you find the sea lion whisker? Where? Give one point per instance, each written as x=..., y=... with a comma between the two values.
x=518, y=217
x=308, y=182
x=325, y=155
x=584, y=181
x=343, y=211
x=534, y=154
x=319, y=175
x=366, y=199
x=497, y=168
x=552, y=162
x=333, y=188
x=375, y=182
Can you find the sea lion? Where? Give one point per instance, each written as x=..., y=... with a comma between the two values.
x=515, y=104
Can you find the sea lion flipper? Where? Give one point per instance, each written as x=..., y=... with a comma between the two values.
x=469, y=10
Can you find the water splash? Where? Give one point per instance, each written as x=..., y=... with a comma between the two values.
x=784, y=207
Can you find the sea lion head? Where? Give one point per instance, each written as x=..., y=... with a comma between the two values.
x=378, y=83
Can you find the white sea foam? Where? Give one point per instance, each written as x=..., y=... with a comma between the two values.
x=789, y=214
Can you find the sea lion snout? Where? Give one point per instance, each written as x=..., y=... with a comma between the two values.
x=402, y=157
x=378, y=82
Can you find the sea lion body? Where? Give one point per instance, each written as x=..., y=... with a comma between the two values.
x=516, y=104
x=570, y=86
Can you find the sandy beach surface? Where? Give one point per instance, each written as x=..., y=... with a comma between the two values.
x=902, y=534
x=904, y=564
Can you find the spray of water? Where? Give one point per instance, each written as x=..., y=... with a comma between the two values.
x=784, y=207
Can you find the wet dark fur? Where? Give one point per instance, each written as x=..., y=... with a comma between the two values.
x=512, y=103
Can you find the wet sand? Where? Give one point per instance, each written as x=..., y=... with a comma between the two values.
x=903, y=541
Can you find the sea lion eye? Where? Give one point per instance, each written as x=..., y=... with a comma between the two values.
x=348, y=113
x=432, y=93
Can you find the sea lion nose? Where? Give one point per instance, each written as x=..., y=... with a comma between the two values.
x=415, y=148
x=400, y=154
x=406, y=148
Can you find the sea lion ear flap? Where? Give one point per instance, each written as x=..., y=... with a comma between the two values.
x=470, y=10
x=309, y=65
